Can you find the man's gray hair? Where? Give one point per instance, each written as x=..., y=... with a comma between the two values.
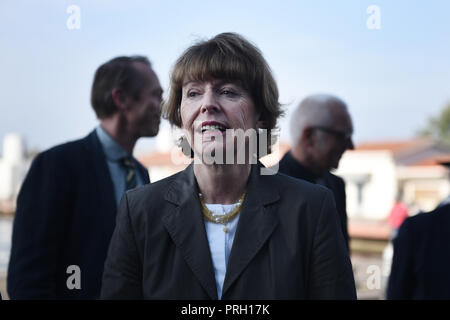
x=314, y=110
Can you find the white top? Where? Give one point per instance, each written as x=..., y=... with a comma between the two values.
x=220, y=242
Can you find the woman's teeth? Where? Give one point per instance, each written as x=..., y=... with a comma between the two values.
x=213, y=127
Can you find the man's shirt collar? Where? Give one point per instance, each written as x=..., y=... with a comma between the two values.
x=113, y=151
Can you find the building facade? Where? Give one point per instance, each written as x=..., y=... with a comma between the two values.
x=377, y=174
x=14, y=165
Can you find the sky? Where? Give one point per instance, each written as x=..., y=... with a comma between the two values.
x=392, y=78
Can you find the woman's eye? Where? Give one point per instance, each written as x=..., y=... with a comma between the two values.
x=228, y=92
x=192, y=94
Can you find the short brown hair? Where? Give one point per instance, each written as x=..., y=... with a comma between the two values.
x=119, y=72
x=227, y=56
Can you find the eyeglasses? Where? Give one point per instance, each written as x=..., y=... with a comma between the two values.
x=344, y=136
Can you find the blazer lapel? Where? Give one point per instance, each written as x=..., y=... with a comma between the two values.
x=256, y=224
x=143, y=172
x=103, y=180
x=186, y=226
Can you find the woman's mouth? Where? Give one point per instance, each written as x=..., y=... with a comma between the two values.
x=213, y=128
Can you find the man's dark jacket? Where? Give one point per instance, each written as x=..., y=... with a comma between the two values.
x=421, y=261
x=65, y=216
x=288, y=244
x=288, y=165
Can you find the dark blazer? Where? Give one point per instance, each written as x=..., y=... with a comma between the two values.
x=288, y=165
x=288, y=244
x=421, y=261
x=65, y=216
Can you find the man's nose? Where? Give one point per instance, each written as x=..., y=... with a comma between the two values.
x=160, y=106
x=350, y=145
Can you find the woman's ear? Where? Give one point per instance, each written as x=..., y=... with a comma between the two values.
x=178, y=118
x=260, y=123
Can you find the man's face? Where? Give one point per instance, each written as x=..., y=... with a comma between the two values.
x=144, y=114
x=331, y=141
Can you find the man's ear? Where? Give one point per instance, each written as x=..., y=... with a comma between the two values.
x=308, y=136
x=120, y=98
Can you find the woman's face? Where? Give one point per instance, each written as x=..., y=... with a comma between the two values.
x=209, y=108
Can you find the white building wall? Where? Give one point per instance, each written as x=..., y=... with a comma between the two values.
x=375, y=171
x=5, y=180
x=13, y=169
x=13, y=148
x=425, y=186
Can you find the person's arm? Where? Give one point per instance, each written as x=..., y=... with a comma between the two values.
x=401, y=279
x=331, y=275
x=38, y=230
x=122, y=276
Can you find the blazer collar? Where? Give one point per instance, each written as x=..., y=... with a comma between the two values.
x=114, y=152
x=186, y=226
x=187, y=183
x=256, y=223
x=100, y=172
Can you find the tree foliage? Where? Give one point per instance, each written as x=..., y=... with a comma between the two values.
x=438, y=128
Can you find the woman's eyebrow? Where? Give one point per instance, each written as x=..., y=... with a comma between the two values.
x=190, y=82
x=222, y=82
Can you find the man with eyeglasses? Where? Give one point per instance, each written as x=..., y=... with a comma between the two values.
x=321, y=130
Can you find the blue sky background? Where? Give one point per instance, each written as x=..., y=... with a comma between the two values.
x=393, y=79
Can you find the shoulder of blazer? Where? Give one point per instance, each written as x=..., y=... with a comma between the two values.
x=180, y=186
x=299, y=187
x=87, y=143
x=67, y=153
x=152, y=193
x=143, y=171
x=415, y=229
x=421, y=223
x=337, y=180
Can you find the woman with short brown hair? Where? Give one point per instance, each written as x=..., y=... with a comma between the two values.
x=225, y=229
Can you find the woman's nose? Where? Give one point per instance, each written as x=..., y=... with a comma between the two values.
x=209, y=103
